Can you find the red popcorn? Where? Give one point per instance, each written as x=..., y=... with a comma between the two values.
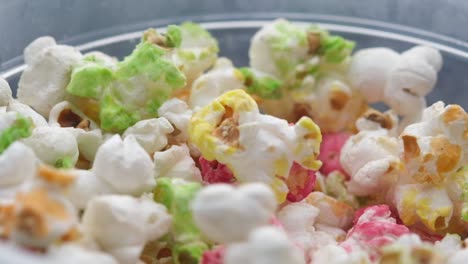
x=330, y=150
x=215, y=172
x=213, y=256
x=301, y=182
x=373, y=228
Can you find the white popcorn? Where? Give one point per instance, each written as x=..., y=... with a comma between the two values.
x=400, y=80
x=124, y=165
x=333, y=213
x=371, y=157
x=151, y=134
x=87, y=133
x=18, y=165
x=459, y=257
x=222, y=78
x=178, y=114
x=35, y=48
x=26, y=111
x=369, y=71
x=265, y=245
x=51, y=144
x=7, y=120
x=5, y=93
x=334, y=105
x=176, y=162
x=225, y=214
x=334, y=254
x=86, y=186
x=43, y=82
x=60, y=254
x=122, y=225
x=299, y=221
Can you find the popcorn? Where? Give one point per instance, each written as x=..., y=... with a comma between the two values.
x=300, y=183
x=280, y=46
x=185, y=240
x=333, y=105
x=232, y=131
x=264, y=245
x=151, y=134
x=370, y=77
x=223, y=77
x=13, y=176
x=134, y=90
x=232, y=154
x=12, y=128
x=26, y=111
x=401, y=81
x=426, y=204
x=53, y=144
x=299, y=221
x=121, y=225
x=5, y=93
x=373, y=228
x=59, y=254
x=178, y=114
x=43, y=82
x=227, y=215
x=335, y=254
x=215, y=172
x=261, y=84
x=176, y=162
x=213, y=256
x=39, y=218
x=87, y=133
x=433, y=150
x=124, y=165
x=371, y=157
x=197, y=50
x=410, y=249
x=330, y=151
x=332, y=212
x=334, y=185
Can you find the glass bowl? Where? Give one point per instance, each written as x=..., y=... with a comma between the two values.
x=234, y=31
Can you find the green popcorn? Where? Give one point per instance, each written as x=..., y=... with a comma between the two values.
x=64, y=163
x=21, y=128
x=186, y=240
x=173, y=36
x=114, y=116
x=334, y=49
x=197, y=52
x=264, y=86
x=90, y=79
x=289, y=46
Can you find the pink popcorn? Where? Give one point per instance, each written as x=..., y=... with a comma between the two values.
x=373, y=228
x=213, y=256
x=215, y=172
x=301, y=182
x=330, y=150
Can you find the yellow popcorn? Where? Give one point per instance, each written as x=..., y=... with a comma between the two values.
x=256, y=147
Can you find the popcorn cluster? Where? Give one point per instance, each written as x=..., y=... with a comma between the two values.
x=175, y=155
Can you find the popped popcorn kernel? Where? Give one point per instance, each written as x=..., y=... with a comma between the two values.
x=215, y=172
x=330, y=151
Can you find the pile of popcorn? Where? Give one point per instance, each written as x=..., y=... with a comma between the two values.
x=174, y=155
